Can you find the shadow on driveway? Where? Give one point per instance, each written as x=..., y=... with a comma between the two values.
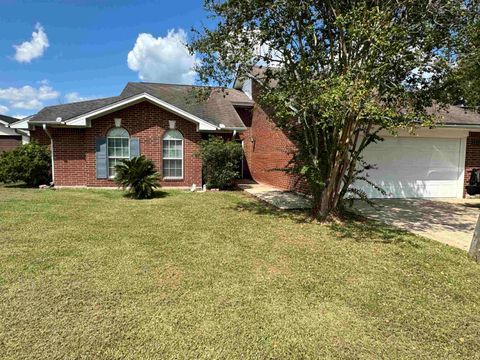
x=448, y=223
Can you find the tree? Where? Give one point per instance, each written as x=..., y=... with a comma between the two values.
x=334, y=73
x=28, y=163
x=138, y=176
x=463, y=85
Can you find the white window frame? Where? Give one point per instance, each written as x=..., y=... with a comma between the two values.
x=173, y=158
x=111, y=176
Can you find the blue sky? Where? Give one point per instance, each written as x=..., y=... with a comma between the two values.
x=54, y=52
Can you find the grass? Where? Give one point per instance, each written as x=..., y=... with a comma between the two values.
x=91, y=274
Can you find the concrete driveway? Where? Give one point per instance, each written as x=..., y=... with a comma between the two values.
x=448, y=221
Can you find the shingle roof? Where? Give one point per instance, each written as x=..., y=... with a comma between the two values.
x=217, y=108
x=455, y=115
x=71, y=110
x=7, y=119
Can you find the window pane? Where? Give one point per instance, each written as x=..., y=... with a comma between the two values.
x=172, y=168
x=118, y=133
x=172, y=154
x=165, y=148
x=118, y=148
x=173, y=149
x=110, y=147
x=173, y=135
x=111, y=167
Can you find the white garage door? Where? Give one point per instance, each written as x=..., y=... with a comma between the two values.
x=415, y=167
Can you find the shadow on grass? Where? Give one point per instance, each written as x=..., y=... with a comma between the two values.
x=354, y=227
x=259, y=207
x=156, y=195
x=361, y=229
x=16, y=186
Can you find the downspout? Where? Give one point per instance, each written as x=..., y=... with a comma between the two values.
x=51, y=150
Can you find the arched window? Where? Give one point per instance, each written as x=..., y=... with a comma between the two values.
x=118, y=144
x=173, y=155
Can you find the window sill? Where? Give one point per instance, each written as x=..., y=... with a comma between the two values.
x=172, y=178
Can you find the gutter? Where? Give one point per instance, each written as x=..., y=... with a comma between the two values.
x=459, y=126
x=51, y=150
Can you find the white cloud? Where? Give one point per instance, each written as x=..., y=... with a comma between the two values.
x=19, y=116
x=3, y=109
x=29, y=50
x=163, y=59
x=28, y=104
x=28, y=97
x=75, y=97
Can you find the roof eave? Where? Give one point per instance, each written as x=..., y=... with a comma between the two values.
x=227, y=129
x=84, y=119
x=459, y=126
x=20, y=124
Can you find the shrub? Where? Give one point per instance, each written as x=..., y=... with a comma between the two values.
x=29, y=163
x=221, y=162
x=138, y=176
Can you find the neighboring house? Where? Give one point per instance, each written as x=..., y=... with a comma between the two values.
x=166, y=122
x=11, y=138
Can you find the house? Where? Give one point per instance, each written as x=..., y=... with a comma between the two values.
x=165, y=122
x=11, y=138
x=162, y=121
x=434, y=163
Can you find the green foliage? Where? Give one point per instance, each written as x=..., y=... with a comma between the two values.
x=463, y=86
x=138, y=176
x=28, y=163
x=221, y=162
x=334, y=73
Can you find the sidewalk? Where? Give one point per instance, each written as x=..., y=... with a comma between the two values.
x=282, y=199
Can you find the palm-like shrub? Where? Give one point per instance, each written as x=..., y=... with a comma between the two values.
x=139, y=176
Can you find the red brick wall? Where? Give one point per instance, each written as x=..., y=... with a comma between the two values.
x=39, y=136
x=472, y=155
x=266, y=149
x=74, y=149
x=9, y=142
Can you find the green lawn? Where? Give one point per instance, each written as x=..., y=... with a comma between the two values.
x=90, y=274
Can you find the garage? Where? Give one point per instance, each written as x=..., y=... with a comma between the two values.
x=416, y=167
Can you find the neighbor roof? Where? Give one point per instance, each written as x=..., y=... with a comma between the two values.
x=7, y=119
x=217, y=108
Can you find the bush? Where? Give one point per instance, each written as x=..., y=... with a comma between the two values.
x=29, y=163
x=221, y=162
x=138, y=176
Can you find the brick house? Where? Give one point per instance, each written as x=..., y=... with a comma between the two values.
x=11, y=138
x=165, y=122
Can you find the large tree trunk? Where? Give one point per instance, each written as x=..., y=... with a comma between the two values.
x=325, y=204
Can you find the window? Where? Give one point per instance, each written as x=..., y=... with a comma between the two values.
x=118, y=145
x=173, y=155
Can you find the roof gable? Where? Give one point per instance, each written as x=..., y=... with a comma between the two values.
x=217, y=109
x=123, y=102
